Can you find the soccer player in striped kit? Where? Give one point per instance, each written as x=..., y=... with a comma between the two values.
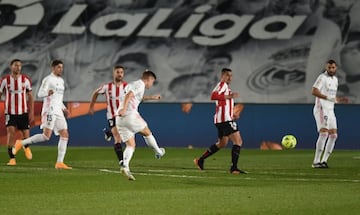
x=19, y=107
x=224, y=120
x=52, y=115
x=324, y=90
x=114, y=93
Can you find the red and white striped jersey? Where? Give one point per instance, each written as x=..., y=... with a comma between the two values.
x=114, y=95
x=224, y=107
x=15, y=90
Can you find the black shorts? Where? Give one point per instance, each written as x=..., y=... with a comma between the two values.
x=226, y=128
x=21, y=122
x=111, y=122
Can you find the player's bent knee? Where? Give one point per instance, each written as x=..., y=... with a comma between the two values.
x=45, y=137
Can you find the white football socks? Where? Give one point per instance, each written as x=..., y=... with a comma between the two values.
x=320, y=144
x=151, y=142
x=62, y=145
x=37, y=138
x=128, y=153
x=330, y=144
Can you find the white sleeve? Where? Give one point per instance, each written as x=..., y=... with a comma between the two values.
x=131, y=87
x=2, y=85
x=44, y=88
x=319, y=82
x=102, y=89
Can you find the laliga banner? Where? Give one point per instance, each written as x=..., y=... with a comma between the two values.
x=276, y=49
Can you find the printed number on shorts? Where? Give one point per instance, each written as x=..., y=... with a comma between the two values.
x=233, y=125
x=111, y=123
x=49, y=118
x=7, y=118
x=326, y=120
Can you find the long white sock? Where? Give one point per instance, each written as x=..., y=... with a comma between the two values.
x=151, y=142
x=320, y=144
x=62, y=145
x=128, y=153
x=37, y=138
x=330, y=144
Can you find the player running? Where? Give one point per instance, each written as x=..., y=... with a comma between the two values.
x=52, y=115
x=19, y=107
x=224, y=121
x=114, y=93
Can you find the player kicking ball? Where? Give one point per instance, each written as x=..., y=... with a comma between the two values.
x=129, y=121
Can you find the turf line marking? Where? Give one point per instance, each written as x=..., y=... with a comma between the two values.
x=155, y=174
x=107, y=170
x=234, y=178
x=298, y=174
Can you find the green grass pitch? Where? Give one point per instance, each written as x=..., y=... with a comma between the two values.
x=278, y=182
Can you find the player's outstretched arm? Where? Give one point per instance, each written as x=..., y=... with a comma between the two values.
x=342, y=100
x=92, y=102
x=152, y=97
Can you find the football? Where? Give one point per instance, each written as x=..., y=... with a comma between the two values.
x=288, y=141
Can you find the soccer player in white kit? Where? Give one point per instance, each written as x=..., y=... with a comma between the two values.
x=52, y=115
x=324, y=90
x=129, y=122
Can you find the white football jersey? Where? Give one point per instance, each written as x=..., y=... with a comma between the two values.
x=53, y=103
x=328, y=86
x=138, y=88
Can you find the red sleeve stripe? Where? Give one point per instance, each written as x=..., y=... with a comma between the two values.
x=8, y=97
x=23, y=92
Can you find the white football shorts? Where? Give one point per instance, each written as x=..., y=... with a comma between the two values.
x=54, y=122
x=325, y=119
x=129, y=125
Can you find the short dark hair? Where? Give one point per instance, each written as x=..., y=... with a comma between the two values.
x=14, y=60
x=118, y=67
x=147, y=73
x=225, y=70
x=56, y=62
x=331, y=61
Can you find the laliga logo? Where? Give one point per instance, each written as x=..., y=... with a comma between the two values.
x=20, y=14
x=30, y=12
